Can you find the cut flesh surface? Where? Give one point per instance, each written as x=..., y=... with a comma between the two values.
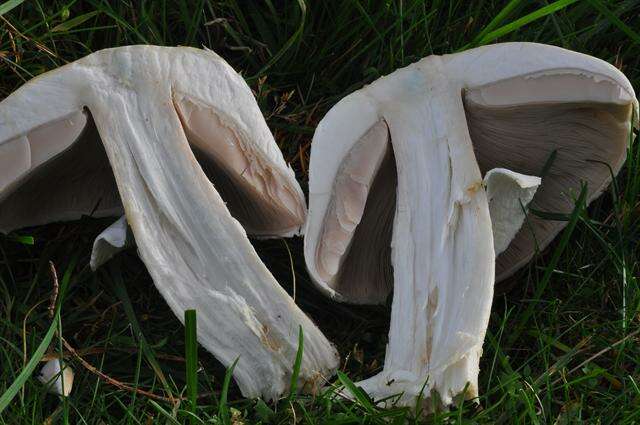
x=365, y=183
x=259, y=195
x=194, y=249
x=464, y=157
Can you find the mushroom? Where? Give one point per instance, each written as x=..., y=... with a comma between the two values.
x=107, y=244
x=58, y=380
x=174, y=138
x=418, y=180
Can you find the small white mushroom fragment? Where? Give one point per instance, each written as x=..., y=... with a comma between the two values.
x=58, y=381
x=175, y=139
x=508, y=194
x=397, y=197
x=112, y=240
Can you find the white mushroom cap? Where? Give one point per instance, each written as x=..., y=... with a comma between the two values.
x=148, y=114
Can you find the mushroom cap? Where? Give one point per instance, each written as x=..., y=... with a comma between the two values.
x=51, y=149
x=524, y=104
x=530, y=105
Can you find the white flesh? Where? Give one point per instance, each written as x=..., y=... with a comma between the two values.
x=441, y=213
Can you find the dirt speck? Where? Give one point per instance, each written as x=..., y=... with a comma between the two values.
x=267, y=341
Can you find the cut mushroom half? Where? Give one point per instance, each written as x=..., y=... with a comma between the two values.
x=397, y=195
x=174, y=138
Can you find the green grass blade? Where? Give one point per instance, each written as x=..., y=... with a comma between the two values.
x=191, y=19
x=191, y=355
x=598, y=5
x=121, y=292
x=357, y=393
x=296, y=366
x=368, y=19
x=24, y=240
x=9, y=5
x=107, y=9
x=562, y=245
x=527, y=19
x=74, y=22
x=496, y=21
x=295, y=37
x=167, y=415
x=136, y=384
x=223, y=409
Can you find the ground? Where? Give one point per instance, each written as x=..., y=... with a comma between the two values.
x=562, y=345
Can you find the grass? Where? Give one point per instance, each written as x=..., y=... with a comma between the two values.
x=562, y=345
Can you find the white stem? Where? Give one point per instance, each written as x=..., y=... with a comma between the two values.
x=442, y=246
x=197, y=254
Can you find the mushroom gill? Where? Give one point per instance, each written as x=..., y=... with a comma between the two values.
x=579, y=141
x=354, y=254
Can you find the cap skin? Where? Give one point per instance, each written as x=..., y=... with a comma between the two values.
x=419, y=179
x=123, y=129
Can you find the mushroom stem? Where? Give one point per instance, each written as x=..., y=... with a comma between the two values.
x=180, y=222
x=442, y=249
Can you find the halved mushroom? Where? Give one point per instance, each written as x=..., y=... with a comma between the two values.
x=396, y=193
x=174, y=137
